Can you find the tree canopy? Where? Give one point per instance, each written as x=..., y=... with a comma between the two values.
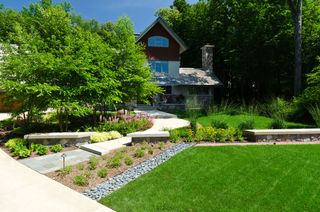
x=254, y=42
x=60, y=61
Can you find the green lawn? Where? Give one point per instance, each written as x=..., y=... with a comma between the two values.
x=261, y=122
x=248, y=178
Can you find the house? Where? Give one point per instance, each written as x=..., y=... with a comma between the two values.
x=163, y=50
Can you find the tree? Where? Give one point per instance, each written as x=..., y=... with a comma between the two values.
x=296, y=10
x=70, y=67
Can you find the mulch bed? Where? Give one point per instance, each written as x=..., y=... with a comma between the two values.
x=94, y=179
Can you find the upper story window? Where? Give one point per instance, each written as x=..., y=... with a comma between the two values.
x=159, y=66
x=158, y=41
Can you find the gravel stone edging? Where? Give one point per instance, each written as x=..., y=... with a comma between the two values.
x=118, y=181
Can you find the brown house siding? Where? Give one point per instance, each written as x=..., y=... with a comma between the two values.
x=159, y=53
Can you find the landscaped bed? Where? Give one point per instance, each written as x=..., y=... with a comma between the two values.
x=246, y=178
x=98, y=169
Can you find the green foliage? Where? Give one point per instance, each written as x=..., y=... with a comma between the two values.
x=102, y=173
x=56, y=148
x=278, y=108
x=278, y=124
x=93, y=162
x=139, y=153
x=221, y=135
x=21, y=151
x=66, y=170
x=206, y=134
x=189, y=135
x=315, y=112
x=104, y=136
x=174, y=136
x=246, y=124
x=123, y=127
x=219, y=124
x=80, y=180
x=14, y=142
x=67, y=66
x=254, y=40
x=42, y=150
x=115, y=162
x=128, y=161
x=80, y=166
x=311, y=95
x=33, y=147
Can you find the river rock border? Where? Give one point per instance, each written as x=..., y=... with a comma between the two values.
x=113, y=184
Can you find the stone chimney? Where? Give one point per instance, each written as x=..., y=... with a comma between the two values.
x=207, y=57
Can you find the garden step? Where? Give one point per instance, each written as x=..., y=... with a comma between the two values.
x=283, y=134
x=155, y=113
x=105, y=147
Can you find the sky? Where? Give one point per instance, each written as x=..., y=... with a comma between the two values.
x=141, y=12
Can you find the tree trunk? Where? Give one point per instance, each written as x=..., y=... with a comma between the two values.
x=296, y=10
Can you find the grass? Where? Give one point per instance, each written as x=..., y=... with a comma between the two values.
x=233, y=178
x=260, y=122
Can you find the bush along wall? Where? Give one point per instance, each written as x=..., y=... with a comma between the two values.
x=207, y=134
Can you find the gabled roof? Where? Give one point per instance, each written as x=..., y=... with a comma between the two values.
x=183, y=46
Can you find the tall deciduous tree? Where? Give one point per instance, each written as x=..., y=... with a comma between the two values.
x=61, y=63
x=296, y=10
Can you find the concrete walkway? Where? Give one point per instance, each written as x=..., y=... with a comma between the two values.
x=49, y=163
x=171, y=123
x=156, y=113
x=25, y=190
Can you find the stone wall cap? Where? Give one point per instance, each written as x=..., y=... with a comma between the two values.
x=58, y=135
x=283, y=131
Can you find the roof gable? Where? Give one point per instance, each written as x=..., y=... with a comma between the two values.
x=183, y=46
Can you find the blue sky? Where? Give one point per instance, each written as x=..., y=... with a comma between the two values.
x=141, y=12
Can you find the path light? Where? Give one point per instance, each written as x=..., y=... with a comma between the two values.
x=64, y=160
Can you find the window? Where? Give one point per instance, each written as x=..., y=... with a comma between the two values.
x=158, y=41
x=159, y=66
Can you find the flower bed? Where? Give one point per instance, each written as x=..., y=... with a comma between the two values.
x=86, y=175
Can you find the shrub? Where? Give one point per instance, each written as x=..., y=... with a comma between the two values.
x=206, y=134
x=93, y=162
x=128, y=161
x=219, y=124
x=80, y=166
x=229, y=134
x=12, y=143
x=21, y=151
x=246, y=124
x=80, y=180
x=189, y=135
x=104, y=136
x=278, y=124
x=66, y=170
x=315, y=113
x=87, y=174
x=42, y=150
x=56, y=148
x=139, y=153
x=33, y=147
x=102, y=173
x=221, y=135
x=115, y=162
x=238, y=135
x=174, y=136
